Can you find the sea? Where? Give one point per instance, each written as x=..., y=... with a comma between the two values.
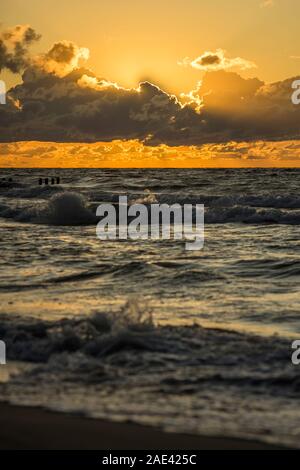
x=146, y=331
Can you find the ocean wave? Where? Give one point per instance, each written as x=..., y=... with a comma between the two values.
x=131, y=268
x=71, y=208
x=251, y=215
x=264, y=200
x=120, y=345
x=29, y=339
x=63, y=208
x=274, y=268
x=189, y=378
x=148, y=196
x=132, y=328
x=33, y=192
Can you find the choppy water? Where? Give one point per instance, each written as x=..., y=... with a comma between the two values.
x=108, y=357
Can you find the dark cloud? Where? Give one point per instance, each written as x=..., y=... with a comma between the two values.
x=209, y=59
x=61, y=52
x=14, y=45
x=80, y=107
x=57, y=101
x=217, y=60
x=62, y=58
x=238, y=108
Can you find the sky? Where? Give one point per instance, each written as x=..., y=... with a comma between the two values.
x=135, y=39
x=212, y=72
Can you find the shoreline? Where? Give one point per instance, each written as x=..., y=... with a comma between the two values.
x=30, y=428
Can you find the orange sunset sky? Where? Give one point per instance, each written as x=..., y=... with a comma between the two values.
x=150, y=84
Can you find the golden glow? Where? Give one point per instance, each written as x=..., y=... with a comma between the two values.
x=133, y=154
x=132, y=41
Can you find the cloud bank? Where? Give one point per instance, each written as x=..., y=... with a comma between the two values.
x=133, y=154
x=61, y=101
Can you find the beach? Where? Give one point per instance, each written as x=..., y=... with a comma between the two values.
x=149, y=220
x=37, y=429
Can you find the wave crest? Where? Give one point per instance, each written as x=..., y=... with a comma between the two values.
x=63, y=208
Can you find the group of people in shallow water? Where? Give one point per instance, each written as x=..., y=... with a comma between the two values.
x=55, y=180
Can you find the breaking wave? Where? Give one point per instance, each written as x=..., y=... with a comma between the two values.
x=63, y=208
x=155, y=371
x=71, y=209
x=133, y=328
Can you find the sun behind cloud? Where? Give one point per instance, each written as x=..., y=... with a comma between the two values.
x=60, y=100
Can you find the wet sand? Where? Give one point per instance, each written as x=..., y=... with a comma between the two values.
x=25, y=428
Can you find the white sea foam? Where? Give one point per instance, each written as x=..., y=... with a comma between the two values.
x=154, y=372
x=71, y=208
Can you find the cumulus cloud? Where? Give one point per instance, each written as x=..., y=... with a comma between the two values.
x=60, y=101
x=81, y=107
x=238, y=108
x=216, y=60
x=14, y=44
x=62, y=58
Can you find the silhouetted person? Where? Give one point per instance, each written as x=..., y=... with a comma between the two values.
x=57, y=180
x=40, y=181
x=46, y=180
x=10, y=180
x=52, y=181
